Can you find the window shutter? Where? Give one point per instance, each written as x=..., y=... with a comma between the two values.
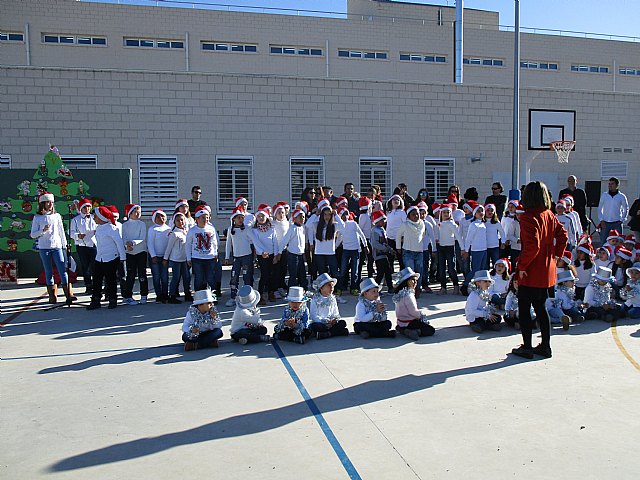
x=305, y=172
x=439, y=175
x=74, y=162
x=613, y=168
x=5, y=161
x=234, y=179
x=158, y=183
x=376, y=171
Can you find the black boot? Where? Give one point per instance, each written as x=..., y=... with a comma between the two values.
x=173, y=300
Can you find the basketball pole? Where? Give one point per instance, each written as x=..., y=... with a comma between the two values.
x=514, y=193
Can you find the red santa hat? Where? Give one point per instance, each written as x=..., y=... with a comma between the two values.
x=129, y=207
x=180, y=202
x=413, y=208
x=624, y=253
x=322, y=204
x=468, y=207
x=614, y=234
x=265, y=212
x=567, y=257
x=586, y=248
x=46, y=197
x=569, y=199
x=302, y=205
x=520, y=209
x=265, y=206
x=423, y=206
x=630, y=239
x=240, y=201
x=176, y=215
x=490, y=206
x=114, y=211
x=435, y=207
x=452, y=198
x=506, y=263
x=342, y=211
x=364, y=203
x=476, y=208
x=514, y=202
x=201, y=210
x=297, y=212
x=342, y=201
x=378, y=216
x=237, y=211
x=104, y=214
x=157, y=212
x=446, y=207
x=561, y=204
x=85, y=202
x=606, y=248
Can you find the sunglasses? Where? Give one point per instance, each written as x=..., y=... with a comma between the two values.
x=495, y=188
x=197, y=192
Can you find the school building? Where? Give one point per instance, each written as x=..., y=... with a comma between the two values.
x=261, y=104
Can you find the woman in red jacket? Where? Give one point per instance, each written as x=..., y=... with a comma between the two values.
x=543, y=238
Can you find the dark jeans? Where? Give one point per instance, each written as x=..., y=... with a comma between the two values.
x=179, y=270
x=433, y=268
x=602, y=313
x=446, y=264
x=160, y=276
x=287, y=334
x=375, y=329
x=339, y=329
x=383, y=271
x=241, y=265
x=326, y=264
x=281, y=271
x=205, y=339
x=105, y=271
x=267, y=274
x=251, y=334
x=392, y=244
x=484, y=323
x=136, y=267
x=493, y=255
x=297, y=271
x=425, y=329
x=86, y=259
x=368, y=257
x=205, y=272
x=350, y=259
x=528, y=296
x=478, y=262
x=607, y=227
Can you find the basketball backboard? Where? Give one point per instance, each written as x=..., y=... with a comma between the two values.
x=546, y=126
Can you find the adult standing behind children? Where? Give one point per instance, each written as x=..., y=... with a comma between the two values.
x=196, y=199
x=543, y=238
x=497, y=198
x=579, y=199
x=612, y=210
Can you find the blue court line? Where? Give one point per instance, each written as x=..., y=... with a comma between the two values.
x=326, y=429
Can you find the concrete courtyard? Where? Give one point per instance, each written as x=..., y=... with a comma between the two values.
x=111, y=394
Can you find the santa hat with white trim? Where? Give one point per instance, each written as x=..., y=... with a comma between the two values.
x=322, y=204
x=302, y=205
x=85, y=202
x=46, y=197
x=567, y=257
x=586, y=248
x=130, y=207
x=240, y=201
x=341, y=201
x=476, y=208
x=114, y=211
x=614, y=234
x=364, y=203
x=157, y=212
x=104, y=214
x=297, y=212
x=624, y=253
x=423, y=206
x=378, y=216
x=238, y=211
x=413, y=208
x=505, y=262
x=201, y=210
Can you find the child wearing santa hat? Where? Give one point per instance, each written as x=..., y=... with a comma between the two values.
x=584, y=268
x=281, y=227
x=182, y=206
x=382, y=252
x=109, y=254
x=475, y=246
x=83, y=230
x=265, y=242
x=294, y=242
x=447, y=234
x=134, y=236
x=239, y=253
x=175, y=256
x=429, y=249
x=500, y=286
x=623, y=260
x=364, y=222
x=395, y=217
x=202, y=251
x=157, y=241
x=409, y=239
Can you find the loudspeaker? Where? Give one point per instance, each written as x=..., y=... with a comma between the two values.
x=592, y=189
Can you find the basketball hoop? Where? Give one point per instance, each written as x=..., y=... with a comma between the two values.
x=563, y=149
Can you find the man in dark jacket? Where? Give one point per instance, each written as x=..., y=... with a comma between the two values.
x=579, y=199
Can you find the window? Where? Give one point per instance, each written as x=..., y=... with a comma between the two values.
x=74, y=40
x=421, y=57
x=370, y=55
x=5, y=161
x=234, y=179
x=485, y=62
x=229, y=47
x=613, y=168
x=629, y=71
x=589, y=68
x=287, y=50
x=305, y=172
x=11, y=37
x=74, y=162
x=153, y=43
x=538, y=65
x=157, y=183
x=376, y=171
x=439, y=175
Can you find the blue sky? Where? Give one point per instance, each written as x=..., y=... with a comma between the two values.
x=616, y=17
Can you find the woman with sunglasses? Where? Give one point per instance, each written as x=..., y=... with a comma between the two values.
x=497, y=198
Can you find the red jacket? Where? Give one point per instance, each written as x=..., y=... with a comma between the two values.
x=543, y=238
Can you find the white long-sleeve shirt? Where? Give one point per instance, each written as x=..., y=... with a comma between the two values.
x=52, y=238
x=244, y=318
x=410, y=235
x=352, y=236
x=294, y=240
x=476, y=240
x=613, y=208
x=364, y=221
x=83, y=225
x=475, y=307
x=202, y=243
x=512, y=232
x=429, y=236
x=448, y=233
x=361, y=313
x=135, y=231
x=499, y=285
x=584, y=275
x=567, y=223
x=264, y=242
x=158, y=239
x=326, y=247
x=176, y=251
x=109, y=243
x=238, y=243
x=324, y=309
x=281, y=227
x=395, y=218
x=495, y=232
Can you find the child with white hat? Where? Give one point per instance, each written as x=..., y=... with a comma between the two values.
x=134, y=236
x=246, y=324
x=371, y=314
x=597, y=297
x=202, y=251
x=201, y=327
x=564, y=307
x=238, y=253
x=381, y=249
x=83, y=230
x=294, y=324
x=477, y=310
x=410, y=321
x=631, y=293
x=325, y=316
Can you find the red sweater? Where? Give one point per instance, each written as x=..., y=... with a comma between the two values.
x=543, y=238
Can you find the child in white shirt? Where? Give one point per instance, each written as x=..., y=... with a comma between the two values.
x=246, y=324
x=477, y=310
x=134, y=236
x=294, y=324
x=157, y=241
x=175, y=256
x=239, y=253
x=201, y=327
x=371, y=315
x=323, y=310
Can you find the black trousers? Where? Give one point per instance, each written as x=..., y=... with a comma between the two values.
x=368, y=257
x=136, y=267
x=287, y=334
x=251, y=334
x=86, y=257
x=375, y=329
x=105, y=271
x=425, y=329
x=340, y=328
x=528, y=296
x=267, y=281
x=392, y=244
x=383, y=270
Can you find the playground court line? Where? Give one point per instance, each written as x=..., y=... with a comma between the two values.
x=15, y=315
x=616, y=338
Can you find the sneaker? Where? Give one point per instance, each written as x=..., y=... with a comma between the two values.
x=143, y=300
x=129, y=301
x=322, y=335
x=523, y=352
x=355, y=292
x=542, y=351
x=464, y=290
x=411, y=334
x=298, y=339
x=188, y=346
x=265, y=338
x=340, y=300
x=579, y=319
x=477, y=328
x=93, y=306
x=188, y=297
x=243, y=341
x=230, y=303
x=565, y=322
x=173, y=300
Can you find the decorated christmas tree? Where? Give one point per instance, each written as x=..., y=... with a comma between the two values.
x=17, y=213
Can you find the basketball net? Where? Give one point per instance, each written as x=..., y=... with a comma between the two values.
x=563, y=149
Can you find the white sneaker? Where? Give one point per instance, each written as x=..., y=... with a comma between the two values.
x=231, y=302
x=130, y=301
x=340, y=300
x=143, y=300
x=243, y=341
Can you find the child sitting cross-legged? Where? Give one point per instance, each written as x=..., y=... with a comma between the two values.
x=597, y=297
x=479, y=313
x=564, y=308
x=246, y=325
x=325, y=317
x=500, y=286
x=293, y=326
x=201, y=327
x=371, y=315
x=411, y=322
x=631, y=292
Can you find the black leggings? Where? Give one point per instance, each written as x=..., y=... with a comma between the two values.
x=375, y=329
x=267, y=281
x=383, y=271
x=528, y=296
x=339, y=329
